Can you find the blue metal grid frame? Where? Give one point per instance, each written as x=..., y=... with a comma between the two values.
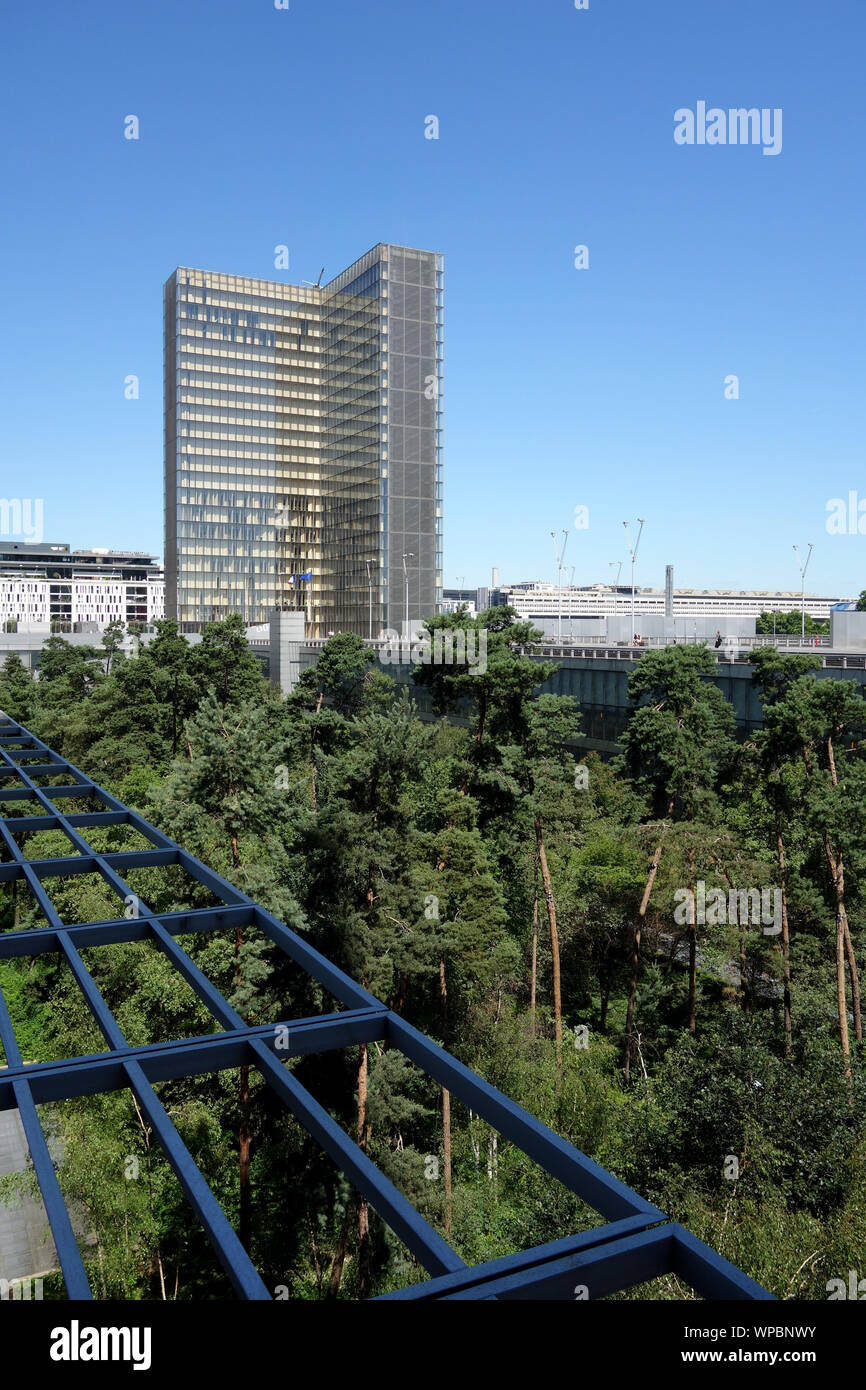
x=636, y=1244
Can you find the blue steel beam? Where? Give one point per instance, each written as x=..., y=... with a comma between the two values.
x=707, y=1272
x=195, y=978
x=615, y=1255
x=94, y=1000
x=38, y=940
x=340, y=985
x=66, y=1245
x=605, y=1269
x=472, y=1281
x=55, y=1207
x=416, y=1234
x=70, y=1077
x=234, y=1259
x=89, y=862
x=8, y=1042
x=598, y=1188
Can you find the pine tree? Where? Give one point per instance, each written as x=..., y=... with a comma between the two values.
x=227, y=796
x=17, y=690
x=676, y=744
x=222, y=662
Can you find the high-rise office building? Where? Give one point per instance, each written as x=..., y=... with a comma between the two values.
x=303, y=461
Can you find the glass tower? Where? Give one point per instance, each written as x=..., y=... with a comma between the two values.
x=303, y=438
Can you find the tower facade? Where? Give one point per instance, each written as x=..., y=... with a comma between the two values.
x=303, y=453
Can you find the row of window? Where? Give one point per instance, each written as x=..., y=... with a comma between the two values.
x=224, y=289
x=267, y=335
x=193, y=349
x=233, y=398
x=243, y=318
x=81, y=614
x=200, y=379
x=218, y=466
x=286, y=343
x=44, y=588
x=286, y=437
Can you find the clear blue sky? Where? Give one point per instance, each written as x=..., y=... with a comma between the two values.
x=602, y=387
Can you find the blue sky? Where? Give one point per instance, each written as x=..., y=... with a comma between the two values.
x=602, y=387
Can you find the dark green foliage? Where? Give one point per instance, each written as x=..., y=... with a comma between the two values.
x=223, y=662
x=775, y=671
x=408, y=852
x=790, y=624
x=342, y=676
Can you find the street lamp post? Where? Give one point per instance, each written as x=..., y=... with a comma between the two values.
x=407, y=555
x=369, y=601
x=633, y=554
x=559, y=560
x=802, y=569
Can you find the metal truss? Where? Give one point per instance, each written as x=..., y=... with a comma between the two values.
x=635, y=1245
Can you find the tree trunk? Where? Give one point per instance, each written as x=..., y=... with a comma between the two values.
x=363, y=1209
x=554, y=942
x=534, y=958
x=446, y=1108
x=492, y=1156
x=693, y=946
x=849, y=948
x=446, y=1148
x=482, y=718
x=855, y=980
x=841, y=1002
x=244, y=1141
x=363, y=1135
x=635, y=954
x=744, y=972
x=245, y=1225
x=401, y=993
x=786, y=943
x=744, y=988
x=837, y=875
x=339, y=1257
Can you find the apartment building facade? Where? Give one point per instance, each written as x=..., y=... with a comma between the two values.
x=51, y=588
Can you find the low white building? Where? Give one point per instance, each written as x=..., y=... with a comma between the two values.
x=49, y=588
x=538, y=601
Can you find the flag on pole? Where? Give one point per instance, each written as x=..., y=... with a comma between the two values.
x=308, y=575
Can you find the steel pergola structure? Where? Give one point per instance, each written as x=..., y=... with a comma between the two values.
x=636, y=1244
